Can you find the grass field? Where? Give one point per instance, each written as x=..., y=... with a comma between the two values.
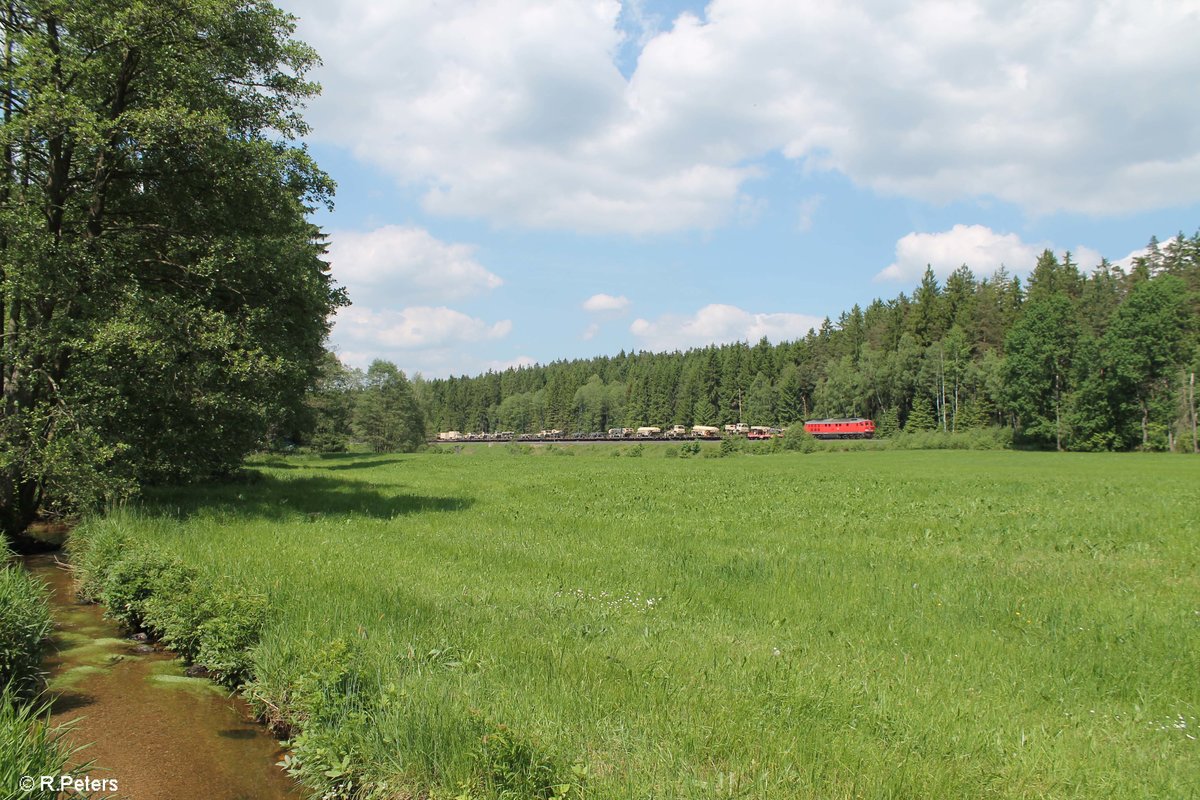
x=872, y=624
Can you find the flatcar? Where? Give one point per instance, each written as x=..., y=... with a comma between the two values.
x=840, y=428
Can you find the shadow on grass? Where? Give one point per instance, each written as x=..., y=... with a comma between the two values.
x=361, y=464
x=256, y=494
x=340, y=461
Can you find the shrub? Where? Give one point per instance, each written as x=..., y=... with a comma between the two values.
x=512, y=766
x=176, y=610
x=132, y=581
x=234, y=623
x=325, y=708
x=211, y=625
x=798, y=440
x=993, y=438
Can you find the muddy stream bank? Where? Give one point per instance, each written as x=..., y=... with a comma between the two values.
x=160, y=734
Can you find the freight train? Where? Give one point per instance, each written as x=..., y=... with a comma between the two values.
x=839, y=428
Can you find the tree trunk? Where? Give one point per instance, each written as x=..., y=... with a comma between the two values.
x=19, y=506
x=1145, y=423
x=942, y=385
x=1192, y=398
x=1057, y=413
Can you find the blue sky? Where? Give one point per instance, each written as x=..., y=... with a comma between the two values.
x=522, y=181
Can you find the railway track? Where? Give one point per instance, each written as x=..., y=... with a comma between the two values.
x=583, y=440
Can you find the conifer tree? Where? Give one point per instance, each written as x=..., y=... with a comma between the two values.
x=921, y=417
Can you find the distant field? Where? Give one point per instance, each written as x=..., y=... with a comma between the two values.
x=868, y=624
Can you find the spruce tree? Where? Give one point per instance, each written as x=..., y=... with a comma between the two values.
x=888, y=423
x=921, y=417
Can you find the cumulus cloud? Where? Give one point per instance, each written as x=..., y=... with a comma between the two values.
x=984, y=251
x=1086, y=258
x=514, y=110
x=720, y=324
x=408, y=263
x=1126, y=263
x=977, y=246
x=601, y=303
x=415, y=327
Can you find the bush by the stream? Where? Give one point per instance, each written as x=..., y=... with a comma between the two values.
x=24, y=626
x=211, y=625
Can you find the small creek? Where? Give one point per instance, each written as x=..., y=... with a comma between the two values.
x=159, y=733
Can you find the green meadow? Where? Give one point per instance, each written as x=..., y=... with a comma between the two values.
x=825, y=625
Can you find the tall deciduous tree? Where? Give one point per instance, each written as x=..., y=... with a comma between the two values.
x=387, y=416
x=164, y=301
x=1039, y=350
x=329, y=424
x=1145, y=342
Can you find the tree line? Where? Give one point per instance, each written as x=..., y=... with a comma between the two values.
x=1099, y=361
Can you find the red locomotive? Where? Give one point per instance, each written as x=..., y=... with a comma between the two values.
x=843, y=428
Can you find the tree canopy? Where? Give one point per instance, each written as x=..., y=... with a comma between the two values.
x=164, y=298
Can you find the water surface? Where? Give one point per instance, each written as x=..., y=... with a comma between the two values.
x=160, y=734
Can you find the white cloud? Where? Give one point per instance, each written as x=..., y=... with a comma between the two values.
x=414, y=328
x=590, y=332
x=1126, y=263
x=984, y=251
x=598, y=303
x=511, y=363
x=408, y=263
x=977, y=246
x=806, y=210
x=719, y=324
x=514, y=111
x=1086, y=258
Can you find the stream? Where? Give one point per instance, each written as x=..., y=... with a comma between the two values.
x=160, y=734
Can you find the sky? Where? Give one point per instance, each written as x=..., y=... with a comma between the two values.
x=523, y=181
